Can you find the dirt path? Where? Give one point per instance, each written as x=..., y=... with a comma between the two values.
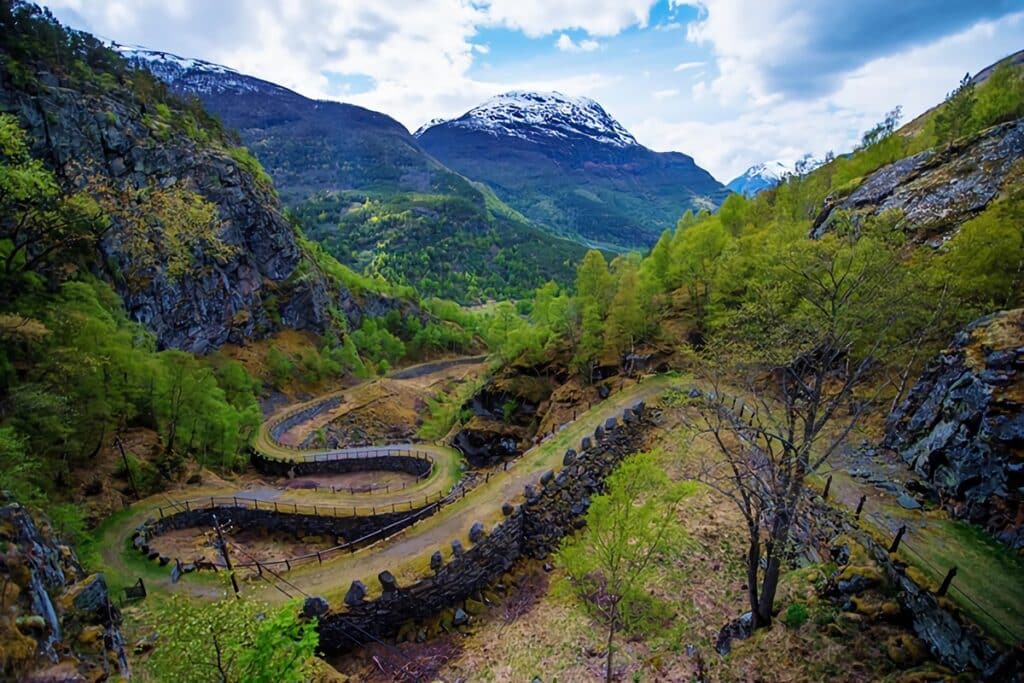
x=406, y=554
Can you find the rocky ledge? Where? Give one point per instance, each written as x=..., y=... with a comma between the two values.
x=935, y=192
x=962, y=425
x=57, y=623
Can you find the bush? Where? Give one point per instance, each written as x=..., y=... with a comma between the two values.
x=796, y=615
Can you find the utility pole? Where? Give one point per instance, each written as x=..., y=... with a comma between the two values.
x=224, y=551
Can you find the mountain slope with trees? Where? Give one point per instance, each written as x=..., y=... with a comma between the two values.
x=370, y=193
x=565, y=163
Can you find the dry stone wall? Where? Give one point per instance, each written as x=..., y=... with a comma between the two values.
x=552, y=508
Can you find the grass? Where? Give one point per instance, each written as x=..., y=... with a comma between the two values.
x=989, y=584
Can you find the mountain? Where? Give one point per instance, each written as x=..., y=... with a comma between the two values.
x=759, y=177
x=412, y=209
x=564, y=162
x=768, y=174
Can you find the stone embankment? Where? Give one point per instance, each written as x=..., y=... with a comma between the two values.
x=531, y=528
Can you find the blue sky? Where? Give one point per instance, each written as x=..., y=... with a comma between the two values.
x=730, y=82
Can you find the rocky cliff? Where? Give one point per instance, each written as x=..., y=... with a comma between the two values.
x=106, y=126
x=936, y=191
x=56, y=622
x=962, y=425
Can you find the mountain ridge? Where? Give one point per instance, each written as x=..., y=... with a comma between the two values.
x=566, y=163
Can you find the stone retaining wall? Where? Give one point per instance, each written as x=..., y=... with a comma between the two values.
x=554, y=507
x=416, y=466
x=304, y=415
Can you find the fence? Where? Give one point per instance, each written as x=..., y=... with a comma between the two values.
x=349, y=454
x=899, y=540
x=320, y=555
x=313, y=509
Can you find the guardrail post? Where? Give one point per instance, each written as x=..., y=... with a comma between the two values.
x=161, y=511
x=828, y=485
x=860, y=506
x=186, y=507
x=946, y=581
x=287, y=564
x=896, y=541
x=315, y=514
x=318, y=558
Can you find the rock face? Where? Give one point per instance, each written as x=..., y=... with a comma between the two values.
x=266, y=283
x=935, y=192
x=962, y=425
x=51, y=610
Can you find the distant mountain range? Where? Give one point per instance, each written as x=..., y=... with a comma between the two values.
x=370, y=193
x=514, y=188
x=565, y=163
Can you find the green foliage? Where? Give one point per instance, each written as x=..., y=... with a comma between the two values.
x=796, y=615
x=232, y=640
x=445, y=410
x=953, y=119
x=252, y=165
x=628, y=528
x=410, y=239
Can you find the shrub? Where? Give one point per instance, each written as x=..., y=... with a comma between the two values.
x=796, y=615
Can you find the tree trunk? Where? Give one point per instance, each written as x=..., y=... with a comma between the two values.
x=753, y=562
x=608, y=659
x=763, y=614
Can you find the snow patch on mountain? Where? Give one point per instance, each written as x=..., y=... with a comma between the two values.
x=540, y=116
x=193, y=75
x=768, y=174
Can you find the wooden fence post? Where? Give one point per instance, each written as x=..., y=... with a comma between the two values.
x=896, y=541
x=860, y=506
x=828, y=485
x=946, y=581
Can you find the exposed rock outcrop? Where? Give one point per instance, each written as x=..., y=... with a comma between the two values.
x=56, y=622
x=936, y=192
x=266, y=283
x=962, y=425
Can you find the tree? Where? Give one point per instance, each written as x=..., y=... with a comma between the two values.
x=232, y=640
x=953, y=119
x=628, y=313
x=628, y=527
x=594, y=282
x=695, y=260
x=798, y=349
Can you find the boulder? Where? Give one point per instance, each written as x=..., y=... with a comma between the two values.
x=569, y=457
x=476, y=532
x=457, y=549
x=356, y=594
x=460, y=618
x=436, y=561
x=388, y=583
x=315, y=607
x=507, y=509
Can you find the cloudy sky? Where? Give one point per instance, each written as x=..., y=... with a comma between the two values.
x=731, y=82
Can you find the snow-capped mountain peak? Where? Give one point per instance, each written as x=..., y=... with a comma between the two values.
x=768, y=174
x=192, y=75
x=539, y=116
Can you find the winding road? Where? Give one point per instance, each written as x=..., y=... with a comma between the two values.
x=406, y=553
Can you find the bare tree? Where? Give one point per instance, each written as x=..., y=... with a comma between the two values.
x=795, y=356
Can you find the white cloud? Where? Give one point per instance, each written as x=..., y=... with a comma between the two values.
x=541, y=17
x=566, y=44
x=665, y=94
x=685, y=66
x=751, y=132
x=804, y=49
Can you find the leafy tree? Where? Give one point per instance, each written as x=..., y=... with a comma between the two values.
x=695, y=259
x=232, y=641
x=594, y=282
x=953, y=119
x=801, y=348
x=628, y=527
x=629, y=312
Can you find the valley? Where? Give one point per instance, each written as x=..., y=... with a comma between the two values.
x=289, y=393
